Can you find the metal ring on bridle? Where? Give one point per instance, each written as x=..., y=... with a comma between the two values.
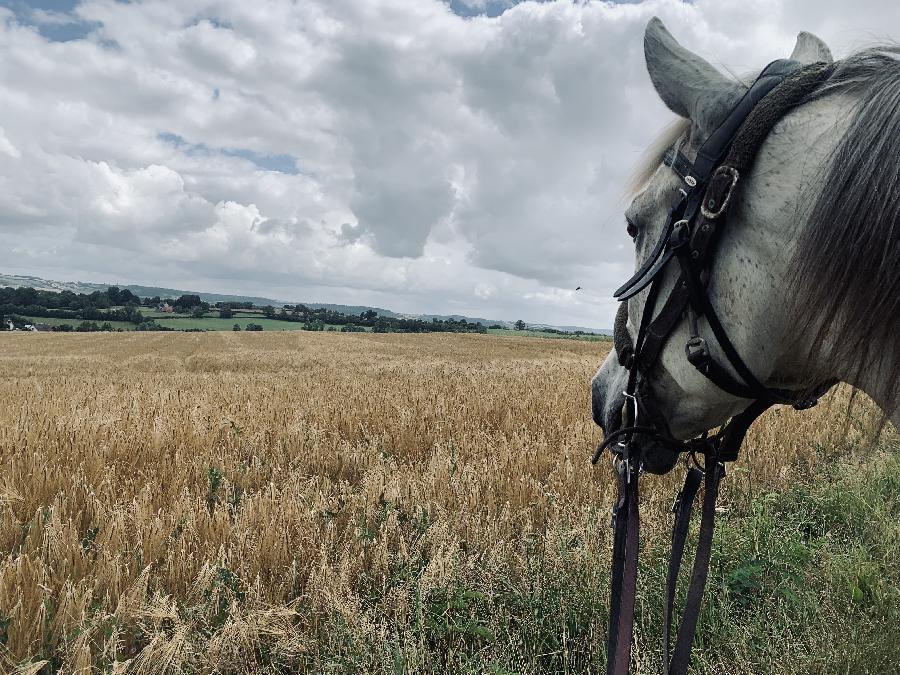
x=710, y=214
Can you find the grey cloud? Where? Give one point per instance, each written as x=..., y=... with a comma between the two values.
x=388, y=151
x=351, y=233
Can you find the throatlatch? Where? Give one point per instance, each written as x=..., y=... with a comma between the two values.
x=690, y=237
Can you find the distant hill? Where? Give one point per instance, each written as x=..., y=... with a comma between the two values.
x=16, y=281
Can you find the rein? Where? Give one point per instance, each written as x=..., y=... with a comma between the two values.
x=689, y=237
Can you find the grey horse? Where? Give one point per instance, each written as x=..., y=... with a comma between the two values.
x=805, y=277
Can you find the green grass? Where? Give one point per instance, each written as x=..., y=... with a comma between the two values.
x=213, y=313
x=508, y=332
x=809, y=579
x=53, y=321
x=803, y=581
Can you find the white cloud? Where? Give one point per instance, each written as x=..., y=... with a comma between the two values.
x=432, y=162
x=8, y=148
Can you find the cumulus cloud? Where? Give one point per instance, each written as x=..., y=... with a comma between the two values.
x=426, y=155
x=8, y=148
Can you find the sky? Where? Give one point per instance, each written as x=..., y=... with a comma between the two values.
x=428, y=156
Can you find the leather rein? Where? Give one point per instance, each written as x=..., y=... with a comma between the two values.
x=689, y=238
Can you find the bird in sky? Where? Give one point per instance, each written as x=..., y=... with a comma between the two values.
x=578, y=289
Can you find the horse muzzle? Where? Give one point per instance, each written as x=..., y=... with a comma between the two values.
x=608, y=406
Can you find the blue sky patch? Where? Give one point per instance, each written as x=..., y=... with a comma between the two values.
x=493, y=8
x=281, y=163
x=53, y=19
x=486, y=8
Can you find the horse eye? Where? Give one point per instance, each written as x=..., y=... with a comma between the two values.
x=631, y=228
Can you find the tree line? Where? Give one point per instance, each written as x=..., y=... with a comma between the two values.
x=94, y=306
x=115, y=304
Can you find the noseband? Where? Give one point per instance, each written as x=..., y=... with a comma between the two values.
x=694, y=227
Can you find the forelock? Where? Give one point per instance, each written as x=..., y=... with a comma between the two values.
x=673, y=134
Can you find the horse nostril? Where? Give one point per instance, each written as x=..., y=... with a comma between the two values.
x=597, y=411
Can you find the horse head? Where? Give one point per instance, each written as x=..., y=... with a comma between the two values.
x=796, y=223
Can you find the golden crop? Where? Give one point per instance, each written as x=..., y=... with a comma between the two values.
x=216, y=502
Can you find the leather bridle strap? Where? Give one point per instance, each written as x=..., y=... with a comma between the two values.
x=681, y=658
x=626, y=526
x=684, y=505
x=680, y=165
x=725, y=448
x=617, y=572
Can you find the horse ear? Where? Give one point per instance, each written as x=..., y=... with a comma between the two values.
x=687, y=84
x=810, y=49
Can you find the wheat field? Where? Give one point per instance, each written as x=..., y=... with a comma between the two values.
x=325, y=502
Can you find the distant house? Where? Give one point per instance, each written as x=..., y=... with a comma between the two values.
x=165, y=307
x=43, y=327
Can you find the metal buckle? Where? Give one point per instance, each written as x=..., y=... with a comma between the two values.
x=625, y=463
x=630, y=468
x=623, y=460
x=680, y=234
x=708, y=208
x=697, y=352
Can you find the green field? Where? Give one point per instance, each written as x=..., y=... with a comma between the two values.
x=508, y=332
x=156, y=314
x=242, y=318
x=214, y=323
x=53, y=321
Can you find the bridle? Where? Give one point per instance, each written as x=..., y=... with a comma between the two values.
x=694, y=226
